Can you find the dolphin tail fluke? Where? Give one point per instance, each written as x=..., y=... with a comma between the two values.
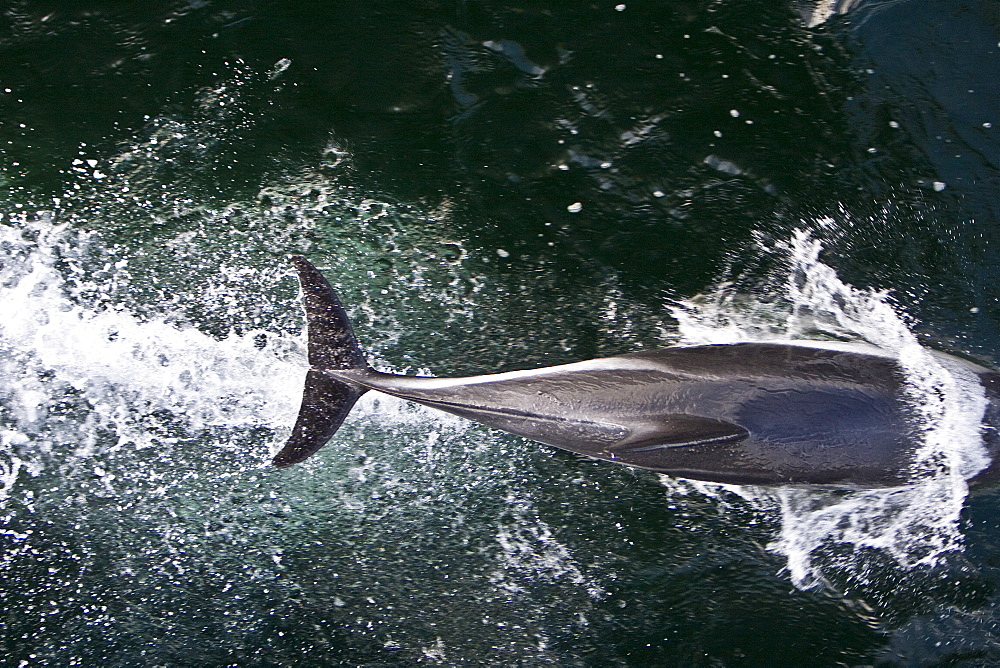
x=326, y=401
x=332, y=344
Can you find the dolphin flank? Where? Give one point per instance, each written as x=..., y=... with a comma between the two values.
x=744, y=413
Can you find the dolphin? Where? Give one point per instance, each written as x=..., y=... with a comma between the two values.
x=744, y=413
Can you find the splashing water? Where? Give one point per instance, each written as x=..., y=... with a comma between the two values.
x=529, y=547
x=116, y=367
x=133, y=467
x=916, y=524
x=122, y=372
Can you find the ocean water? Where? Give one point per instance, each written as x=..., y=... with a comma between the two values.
x=489, y=187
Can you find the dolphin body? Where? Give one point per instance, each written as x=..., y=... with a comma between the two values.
x=744, y=413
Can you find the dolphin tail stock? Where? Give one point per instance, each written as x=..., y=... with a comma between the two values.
x=326, y=401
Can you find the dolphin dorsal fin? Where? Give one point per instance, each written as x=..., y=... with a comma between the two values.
x=681, y=430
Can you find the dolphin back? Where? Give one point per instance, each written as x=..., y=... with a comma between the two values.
x=745, y=413
x=326, y=401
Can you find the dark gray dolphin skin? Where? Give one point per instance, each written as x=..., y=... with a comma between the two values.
x=745, y=413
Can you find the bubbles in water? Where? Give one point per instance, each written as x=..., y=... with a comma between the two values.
x=916, y=524
x=529, y=547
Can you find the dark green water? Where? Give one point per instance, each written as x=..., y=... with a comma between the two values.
x=491, y=186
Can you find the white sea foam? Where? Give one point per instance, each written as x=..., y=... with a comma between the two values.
x=117, y=365
x=916, y=524
x=120, y=368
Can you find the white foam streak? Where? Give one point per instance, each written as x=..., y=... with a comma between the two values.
x=121, y=366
